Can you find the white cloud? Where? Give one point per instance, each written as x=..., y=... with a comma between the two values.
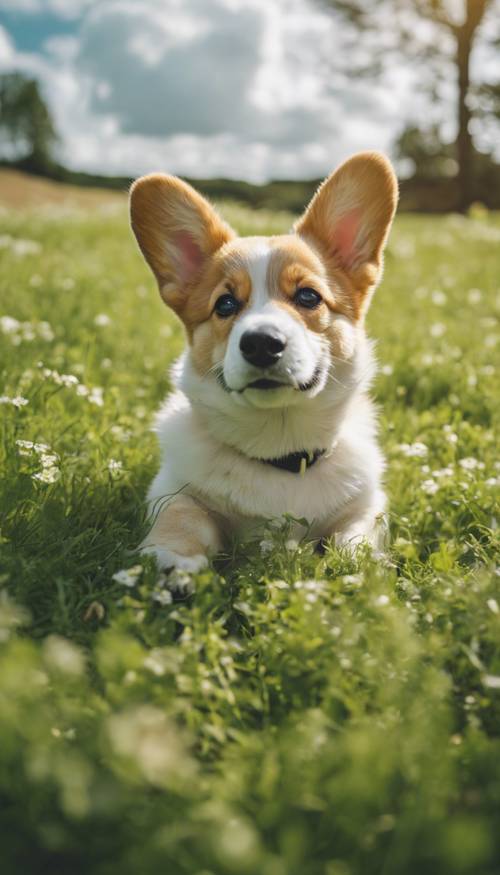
x=241, y=88
x=62, y=8
x=7, y=48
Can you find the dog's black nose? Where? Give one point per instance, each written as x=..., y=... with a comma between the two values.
x=262, y=348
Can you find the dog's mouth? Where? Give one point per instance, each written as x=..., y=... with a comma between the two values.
x=266, y=384
x=263, y=383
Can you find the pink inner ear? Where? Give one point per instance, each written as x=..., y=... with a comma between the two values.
x=344, y=236
x=190, y=256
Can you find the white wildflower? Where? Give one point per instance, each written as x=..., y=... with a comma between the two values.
x=470, y=464
x=48, y=460
x=47, y=475
x=352, y=579
x=18, y=400
x=291, y=545
x=493, y=606
x=67, y=379
x=474, y=296
x=417, y=449
x=439, y=298
x=265, y=547
x=24, y=447
x=492, y=481
x=120, y=433
x=27, y=333
x=45, y=331
x=387, y=370
x=115, y=467
x=430, y=487
x=102, y=320
x=178, y=581
x=154, y=663
x=25, y=247
x=437, y=329
x=62, y=655
x=18, y=246
x=382, y=600
x=162, y=597
x=128, y=576
x=451, y=436
x=82, y=390
x=9, y=325
x=96, y=396
x=443, y=472
x=41, y=448
x=492, y=681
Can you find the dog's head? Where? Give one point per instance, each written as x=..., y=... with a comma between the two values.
x=270, y=320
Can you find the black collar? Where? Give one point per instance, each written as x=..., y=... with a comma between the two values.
x=296, y=463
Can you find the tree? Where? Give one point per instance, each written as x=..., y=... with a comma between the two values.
x=439, y=37
x=25, y=121
x=430, y=158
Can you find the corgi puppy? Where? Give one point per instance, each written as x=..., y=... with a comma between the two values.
x=271, y=414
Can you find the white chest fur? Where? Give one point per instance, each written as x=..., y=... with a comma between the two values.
x=243, y=490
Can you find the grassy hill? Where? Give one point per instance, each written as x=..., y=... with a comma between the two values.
x=296, y=714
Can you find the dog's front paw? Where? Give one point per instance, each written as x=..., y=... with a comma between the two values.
x=168, y=559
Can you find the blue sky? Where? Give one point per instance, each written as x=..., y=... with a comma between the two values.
x=30, y=30
x=241, y=88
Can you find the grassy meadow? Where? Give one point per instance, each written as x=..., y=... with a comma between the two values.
x=298, y=714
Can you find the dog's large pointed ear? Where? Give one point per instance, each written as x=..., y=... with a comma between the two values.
x=177, y=231
x=350, y=216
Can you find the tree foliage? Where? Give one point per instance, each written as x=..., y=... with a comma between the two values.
x=26, y=123
x=438, y=37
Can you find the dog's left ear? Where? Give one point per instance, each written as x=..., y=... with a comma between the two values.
x=349, y=219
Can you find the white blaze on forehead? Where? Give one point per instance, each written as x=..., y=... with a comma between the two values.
x=257, y=260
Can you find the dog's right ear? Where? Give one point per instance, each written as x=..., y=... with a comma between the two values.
x=177, y=231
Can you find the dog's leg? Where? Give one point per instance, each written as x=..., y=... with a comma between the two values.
x=364, y=525
x=183, y=535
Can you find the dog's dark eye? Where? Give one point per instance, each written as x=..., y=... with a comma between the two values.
x=227, y=305
x=307, y=298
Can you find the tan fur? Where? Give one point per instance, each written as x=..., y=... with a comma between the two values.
x=348, y=221
x=163, y=209
x=183, y=526
x=295, y=265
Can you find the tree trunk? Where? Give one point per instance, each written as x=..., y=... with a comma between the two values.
x=465, y=35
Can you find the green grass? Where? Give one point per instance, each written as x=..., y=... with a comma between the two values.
x=299, y=715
